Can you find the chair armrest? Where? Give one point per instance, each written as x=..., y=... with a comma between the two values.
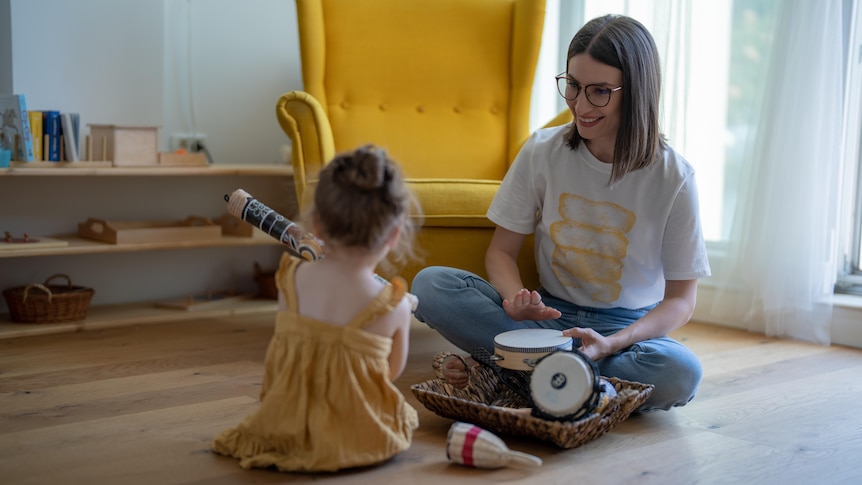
x=562, y=118
x=305, y=122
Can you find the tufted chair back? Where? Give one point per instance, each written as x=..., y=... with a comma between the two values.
x=443, y=85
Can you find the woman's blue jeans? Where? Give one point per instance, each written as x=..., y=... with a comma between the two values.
x=468, y=312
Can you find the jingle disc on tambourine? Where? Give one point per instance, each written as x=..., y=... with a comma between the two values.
x=565, y=385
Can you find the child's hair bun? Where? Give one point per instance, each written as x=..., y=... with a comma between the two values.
x=365, y=169
x=360, y=198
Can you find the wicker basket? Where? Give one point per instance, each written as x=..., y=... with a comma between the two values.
x=490, y=404
x=47, y=303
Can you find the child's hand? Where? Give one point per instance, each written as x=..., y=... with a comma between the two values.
x=527, y=305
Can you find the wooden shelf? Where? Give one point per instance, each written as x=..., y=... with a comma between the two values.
x=79, y=245
x=111, y=316
x=83, y=169
x=117, y=313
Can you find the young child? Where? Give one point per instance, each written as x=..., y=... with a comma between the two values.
x=341, y=335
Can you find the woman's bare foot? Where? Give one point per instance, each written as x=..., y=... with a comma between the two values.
x=456, y=371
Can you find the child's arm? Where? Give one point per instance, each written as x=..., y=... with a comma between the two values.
x=400, y=339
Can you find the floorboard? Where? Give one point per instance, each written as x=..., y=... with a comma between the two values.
x=141, y=404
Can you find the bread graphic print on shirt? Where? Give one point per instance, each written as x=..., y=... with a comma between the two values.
x=590, y=244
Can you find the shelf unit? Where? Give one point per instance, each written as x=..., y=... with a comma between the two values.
x=83, y=169
x=113, y=315
x=78, y=245
x=109, y=316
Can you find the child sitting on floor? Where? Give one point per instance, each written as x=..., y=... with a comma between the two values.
x=341, y=335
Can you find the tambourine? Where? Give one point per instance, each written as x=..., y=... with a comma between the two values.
x=522, y=349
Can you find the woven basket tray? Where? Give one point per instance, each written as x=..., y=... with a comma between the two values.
x=490, y=404
x=47, y=303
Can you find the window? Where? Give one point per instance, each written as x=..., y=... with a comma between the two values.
x=850, y=274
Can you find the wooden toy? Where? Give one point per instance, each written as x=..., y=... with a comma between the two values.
x=125, y=145
x=193, y=228
x=26, y=241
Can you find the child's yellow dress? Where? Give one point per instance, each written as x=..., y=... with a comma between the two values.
x=327, y=402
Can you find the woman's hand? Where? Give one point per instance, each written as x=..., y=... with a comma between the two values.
x=593, y=344
x=673, y=312
x=527, y=305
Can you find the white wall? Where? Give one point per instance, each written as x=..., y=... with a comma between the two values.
x=5, y=48
x=230, y=60
x=115, y=61
x=128, y=62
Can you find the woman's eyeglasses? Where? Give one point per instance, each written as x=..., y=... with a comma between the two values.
x=598, y=95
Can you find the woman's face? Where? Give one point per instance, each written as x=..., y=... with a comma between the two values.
x=597, y=125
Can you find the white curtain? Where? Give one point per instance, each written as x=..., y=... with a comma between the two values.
x=779, y=269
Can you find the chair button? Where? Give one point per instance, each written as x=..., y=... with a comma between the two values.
x=420, y=109
x=495, y=110
x=457, y=109
x=382, y=107
x=345, y=104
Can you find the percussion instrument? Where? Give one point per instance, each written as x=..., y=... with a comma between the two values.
x=542, y=366
x=522, y=349
x=242, y=205
x=470, y=445
x=565, y=385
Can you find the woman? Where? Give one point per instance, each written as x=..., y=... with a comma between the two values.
x=614, y=213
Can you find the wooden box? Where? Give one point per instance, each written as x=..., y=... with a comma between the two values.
x=192, y=228
x=125, y=145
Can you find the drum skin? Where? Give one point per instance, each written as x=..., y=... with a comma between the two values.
x=522, y=349
x=565, y=385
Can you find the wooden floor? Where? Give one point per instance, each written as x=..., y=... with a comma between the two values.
x=140, y=405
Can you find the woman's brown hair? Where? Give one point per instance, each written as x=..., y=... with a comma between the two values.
x=624, y=43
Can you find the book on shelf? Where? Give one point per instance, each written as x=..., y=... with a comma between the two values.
x=51, y=135
x=15, y=123
x=76, y=127
x=36, y=133
x=69, y=132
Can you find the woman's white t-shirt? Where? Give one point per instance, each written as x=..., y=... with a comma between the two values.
x=599, y=245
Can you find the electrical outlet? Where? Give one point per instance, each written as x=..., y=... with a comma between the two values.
x=191, y=142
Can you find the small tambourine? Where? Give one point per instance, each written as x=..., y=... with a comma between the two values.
x=470, y=445
x=522, y=349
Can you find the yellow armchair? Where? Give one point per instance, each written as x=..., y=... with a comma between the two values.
x=443, y=85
